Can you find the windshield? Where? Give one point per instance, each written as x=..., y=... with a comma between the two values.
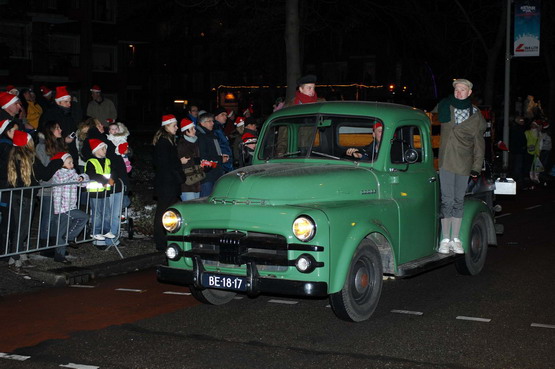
x=335, y=137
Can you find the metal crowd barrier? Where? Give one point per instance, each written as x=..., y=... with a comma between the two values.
x=24, y=209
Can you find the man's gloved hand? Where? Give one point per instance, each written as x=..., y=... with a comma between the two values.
x=474, y=174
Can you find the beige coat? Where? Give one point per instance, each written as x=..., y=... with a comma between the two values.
x=462, y=145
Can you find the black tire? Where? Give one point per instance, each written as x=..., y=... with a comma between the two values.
x=475, y=256
x=130, y=228
x=359, y=297
x=212, y=297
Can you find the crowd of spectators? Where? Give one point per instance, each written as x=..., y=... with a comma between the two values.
x=45, y=139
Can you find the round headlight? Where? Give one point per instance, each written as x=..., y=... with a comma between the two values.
x=171, y=220
x=304, y=228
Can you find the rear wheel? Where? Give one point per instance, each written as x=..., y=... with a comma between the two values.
x=212, y=297
x=476, y=252
x=360, y=295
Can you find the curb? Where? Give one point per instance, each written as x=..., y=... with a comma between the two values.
x=78, y=275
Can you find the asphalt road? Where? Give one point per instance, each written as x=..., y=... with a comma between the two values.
x=502, y=318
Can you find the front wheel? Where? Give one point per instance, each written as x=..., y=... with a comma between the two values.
x=361, y=292
x=476, y=252
x=212, y=297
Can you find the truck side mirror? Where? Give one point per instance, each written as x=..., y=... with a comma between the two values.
x=411, y=156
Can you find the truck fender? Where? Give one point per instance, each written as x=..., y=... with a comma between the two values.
x=339, y=265
x=473, y=208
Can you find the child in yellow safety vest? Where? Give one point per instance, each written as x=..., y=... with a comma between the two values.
x=98, y=169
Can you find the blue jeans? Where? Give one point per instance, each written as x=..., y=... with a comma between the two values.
x=47, y=227
x=100, y=214
x=116, y=199
x=189, y=195
x=206, y=188
x=70, y=224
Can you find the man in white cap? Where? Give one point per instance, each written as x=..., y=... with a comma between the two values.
x=101, y=108
x=461, y=154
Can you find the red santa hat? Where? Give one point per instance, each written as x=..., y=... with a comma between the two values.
x=249, y=138
x=378, y=125
x=96, y=144
x=12, y=90
x=21, y=138
x=95, y=88
x=122, y=148
x=61, y=155
x=45, y=91
x=4, y=124
x=186, y=124
x=7, y=99
x=62, y=94
x=167, y=119
x=240, y=121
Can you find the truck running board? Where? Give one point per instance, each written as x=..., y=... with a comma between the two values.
x=426, y=263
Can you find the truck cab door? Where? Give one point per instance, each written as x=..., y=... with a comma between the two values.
x=415, y=189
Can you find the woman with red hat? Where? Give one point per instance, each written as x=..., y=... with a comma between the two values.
x=168, y=174
x=187, y=147
x=7, y=129
x=24, y=171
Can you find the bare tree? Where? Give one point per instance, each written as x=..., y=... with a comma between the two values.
x=292, y=26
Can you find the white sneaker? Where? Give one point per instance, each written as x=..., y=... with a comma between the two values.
x=99, y=237
x=110, y=235
x=456, y=245
x=444, y=246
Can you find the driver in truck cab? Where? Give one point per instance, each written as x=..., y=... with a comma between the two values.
x=369, y=152
x=461, y=154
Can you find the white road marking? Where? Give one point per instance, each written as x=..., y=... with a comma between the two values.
x=129, y=290
x=503, y=215
x=177, y=293
x=78, y=366
x=538, y=325
x=484, y=320
x=14, y=357
x=532, y=207
x=407, y=312
x=286, y=302
x=81, y=286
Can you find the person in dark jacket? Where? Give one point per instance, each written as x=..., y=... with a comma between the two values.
x=210, y=153
x=62, y=114
x=168, y=174
x=518, y=151
x=187, y=147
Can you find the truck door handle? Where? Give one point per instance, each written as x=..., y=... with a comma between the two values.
x=432, y=179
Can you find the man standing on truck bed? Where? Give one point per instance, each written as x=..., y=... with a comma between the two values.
x=461, y=153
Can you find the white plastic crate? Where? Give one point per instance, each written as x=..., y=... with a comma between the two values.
x=505, y=187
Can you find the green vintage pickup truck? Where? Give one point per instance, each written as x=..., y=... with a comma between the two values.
x=308, y=220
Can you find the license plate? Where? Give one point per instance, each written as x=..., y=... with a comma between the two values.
x=224, y=282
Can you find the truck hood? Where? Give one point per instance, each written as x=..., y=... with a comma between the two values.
x=295, y=183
